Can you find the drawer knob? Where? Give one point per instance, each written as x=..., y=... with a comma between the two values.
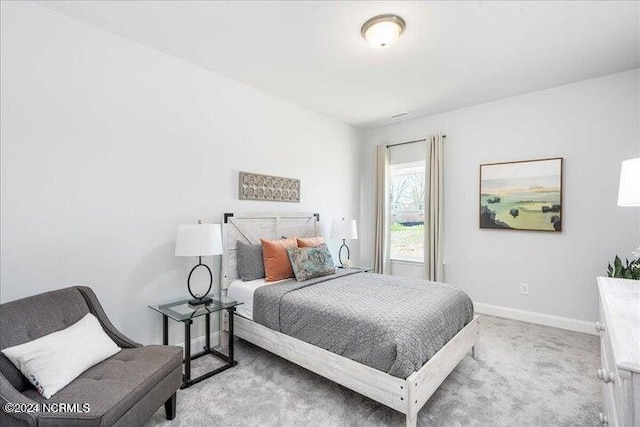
x=599, y=326
x=605, y=376
x=604, y=419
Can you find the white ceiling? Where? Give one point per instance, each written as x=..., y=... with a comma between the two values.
x=451, y=55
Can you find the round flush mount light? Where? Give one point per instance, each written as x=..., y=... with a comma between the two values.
x=382, y=30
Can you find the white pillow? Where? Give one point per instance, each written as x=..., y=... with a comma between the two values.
x=53, y=361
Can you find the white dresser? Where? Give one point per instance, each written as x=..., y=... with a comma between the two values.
x=619, y=328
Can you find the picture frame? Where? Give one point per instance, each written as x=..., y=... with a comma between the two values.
x=522, y=195
x=254, y=186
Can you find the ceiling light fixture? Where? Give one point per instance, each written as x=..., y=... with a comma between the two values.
x=382, y=30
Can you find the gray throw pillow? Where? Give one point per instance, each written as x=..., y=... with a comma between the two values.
x=308, y=263
x=250, y=262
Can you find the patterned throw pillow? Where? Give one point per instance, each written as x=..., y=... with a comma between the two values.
x=308, y=263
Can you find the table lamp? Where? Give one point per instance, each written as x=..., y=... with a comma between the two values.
x=199, y=240
x=629, y=192
x=344, y=229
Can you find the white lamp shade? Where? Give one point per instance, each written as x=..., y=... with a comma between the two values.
x=344, y=229
x=199, y=240
x=629, y=192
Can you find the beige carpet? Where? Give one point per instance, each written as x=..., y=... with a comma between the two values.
x=524, y=375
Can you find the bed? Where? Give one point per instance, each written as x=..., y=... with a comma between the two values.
x=367, y=332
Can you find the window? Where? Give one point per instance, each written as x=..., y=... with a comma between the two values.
x=406, y=181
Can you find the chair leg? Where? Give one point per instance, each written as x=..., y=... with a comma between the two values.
x=170, y=407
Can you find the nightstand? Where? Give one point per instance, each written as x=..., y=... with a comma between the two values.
x=181, y=311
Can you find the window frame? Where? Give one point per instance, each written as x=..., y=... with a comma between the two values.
x=399, y=258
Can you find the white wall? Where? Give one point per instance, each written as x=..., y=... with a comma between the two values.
x=107, y=146
x=594, y=125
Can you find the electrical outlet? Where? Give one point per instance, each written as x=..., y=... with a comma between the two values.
x=524, y=288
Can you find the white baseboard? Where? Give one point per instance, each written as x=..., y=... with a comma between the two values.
x=537, y=318
x=198, y=343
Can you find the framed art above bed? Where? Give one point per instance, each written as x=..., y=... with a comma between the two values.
x=254, y=186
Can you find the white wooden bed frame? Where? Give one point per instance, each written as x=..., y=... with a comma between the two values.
x=403, y=395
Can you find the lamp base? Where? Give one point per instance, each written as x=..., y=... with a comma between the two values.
x=201, y=301
x=344, y=246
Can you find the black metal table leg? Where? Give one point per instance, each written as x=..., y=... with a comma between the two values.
x=187, y=354
x=231, y=310
x=165, y=329
x=207, y=339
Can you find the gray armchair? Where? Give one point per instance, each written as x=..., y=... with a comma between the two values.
x=124, y=390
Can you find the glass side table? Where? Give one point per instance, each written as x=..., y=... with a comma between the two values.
x=363, y=269
x=181, y=311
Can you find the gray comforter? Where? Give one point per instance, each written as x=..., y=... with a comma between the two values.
x=393, y=324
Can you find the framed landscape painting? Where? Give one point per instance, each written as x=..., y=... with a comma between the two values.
x=523, y=195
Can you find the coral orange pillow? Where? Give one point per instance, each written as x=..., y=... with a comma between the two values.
x=310, y=242
x=277, y=265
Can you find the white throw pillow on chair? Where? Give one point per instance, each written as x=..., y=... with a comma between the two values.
x=53, y=361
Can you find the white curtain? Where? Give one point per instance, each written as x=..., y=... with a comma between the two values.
x=382, y=262
x=433, y=193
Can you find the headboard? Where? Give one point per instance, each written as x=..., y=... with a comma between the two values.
x=251, y=227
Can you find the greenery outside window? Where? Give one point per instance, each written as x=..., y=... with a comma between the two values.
x=407, y=207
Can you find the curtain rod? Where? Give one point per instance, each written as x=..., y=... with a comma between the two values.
x=410, y=142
